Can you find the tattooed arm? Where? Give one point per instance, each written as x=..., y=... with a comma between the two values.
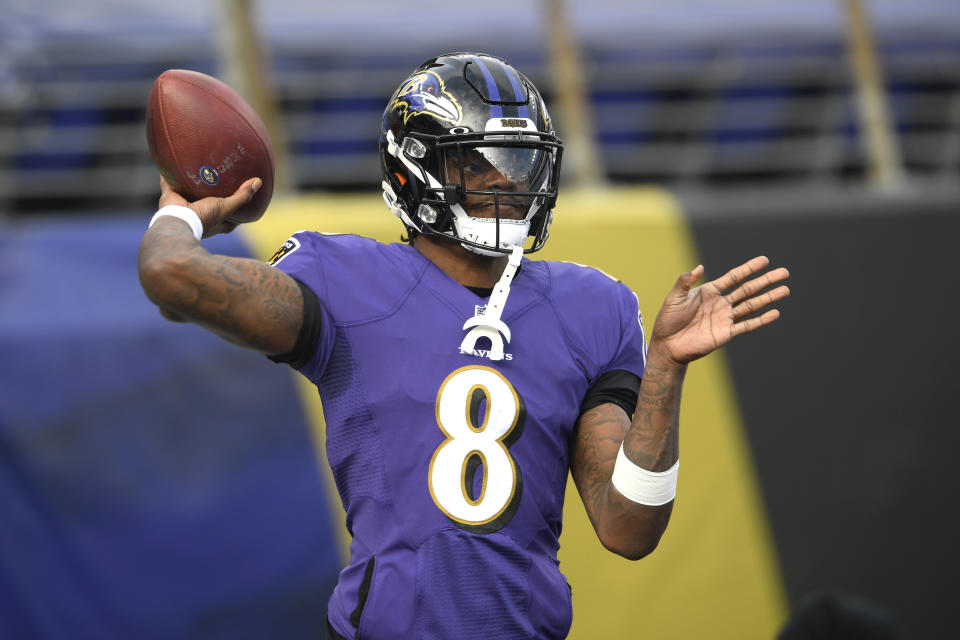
x=692, y=323
x=242, y=300
x=652, y=441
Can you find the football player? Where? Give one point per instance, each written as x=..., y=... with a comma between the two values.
x=460, y=380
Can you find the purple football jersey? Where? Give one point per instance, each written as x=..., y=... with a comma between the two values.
x=452, y=467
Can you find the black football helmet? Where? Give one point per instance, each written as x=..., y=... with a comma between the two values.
x=466, y=133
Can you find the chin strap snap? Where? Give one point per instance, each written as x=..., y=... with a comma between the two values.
x=489, y=325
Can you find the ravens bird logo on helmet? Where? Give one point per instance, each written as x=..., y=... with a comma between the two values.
x=424, y=93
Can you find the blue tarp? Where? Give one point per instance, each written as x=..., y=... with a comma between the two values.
x=155, y=481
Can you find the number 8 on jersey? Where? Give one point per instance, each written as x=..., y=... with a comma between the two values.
x=481, y=415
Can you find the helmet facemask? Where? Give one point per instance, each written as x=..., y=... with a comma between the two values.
x=490, y=191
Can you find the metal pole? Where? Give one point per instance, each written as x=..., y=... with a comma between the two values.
x=877, y=134
x=582, y=159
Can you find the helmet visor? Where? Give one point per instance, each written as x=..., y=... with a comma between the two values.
x=486, y=167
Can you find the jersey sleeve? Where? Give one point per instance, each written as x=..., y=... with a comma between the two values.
x=631, y=352
x=298, y=257
x=621, y=353
x=601, y=321
x=356, y=280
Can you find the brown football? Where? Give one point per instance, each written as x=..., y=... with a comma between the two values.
x=206, y=140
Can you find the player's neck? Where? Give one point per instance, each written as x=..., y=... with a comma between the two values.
x=468, y=268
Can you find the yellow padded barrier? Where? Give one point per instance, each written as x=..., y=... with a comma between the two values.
x=715, y=573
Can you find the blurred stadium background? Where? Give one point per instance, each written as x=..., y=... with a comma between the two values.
x=157, y=483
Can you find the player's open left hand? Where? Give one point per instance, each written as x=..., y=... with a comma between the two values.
x=214, y=212
x=696, y=320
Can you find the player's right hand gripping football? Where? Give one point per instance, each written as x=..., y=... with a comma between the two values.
x=214, y=212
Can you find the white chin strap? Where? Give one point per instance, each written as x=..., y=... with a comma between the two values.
x=513, y=233
x=489, y=325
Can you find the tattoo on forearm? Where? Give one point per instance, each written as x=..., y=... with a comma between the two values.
x=243, y=300
x=653, y=441
x=598, y=438
x=248, y=301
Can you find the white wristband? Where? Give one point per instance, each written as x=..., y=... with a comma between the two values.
x=186, y=214
x=652, y=488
